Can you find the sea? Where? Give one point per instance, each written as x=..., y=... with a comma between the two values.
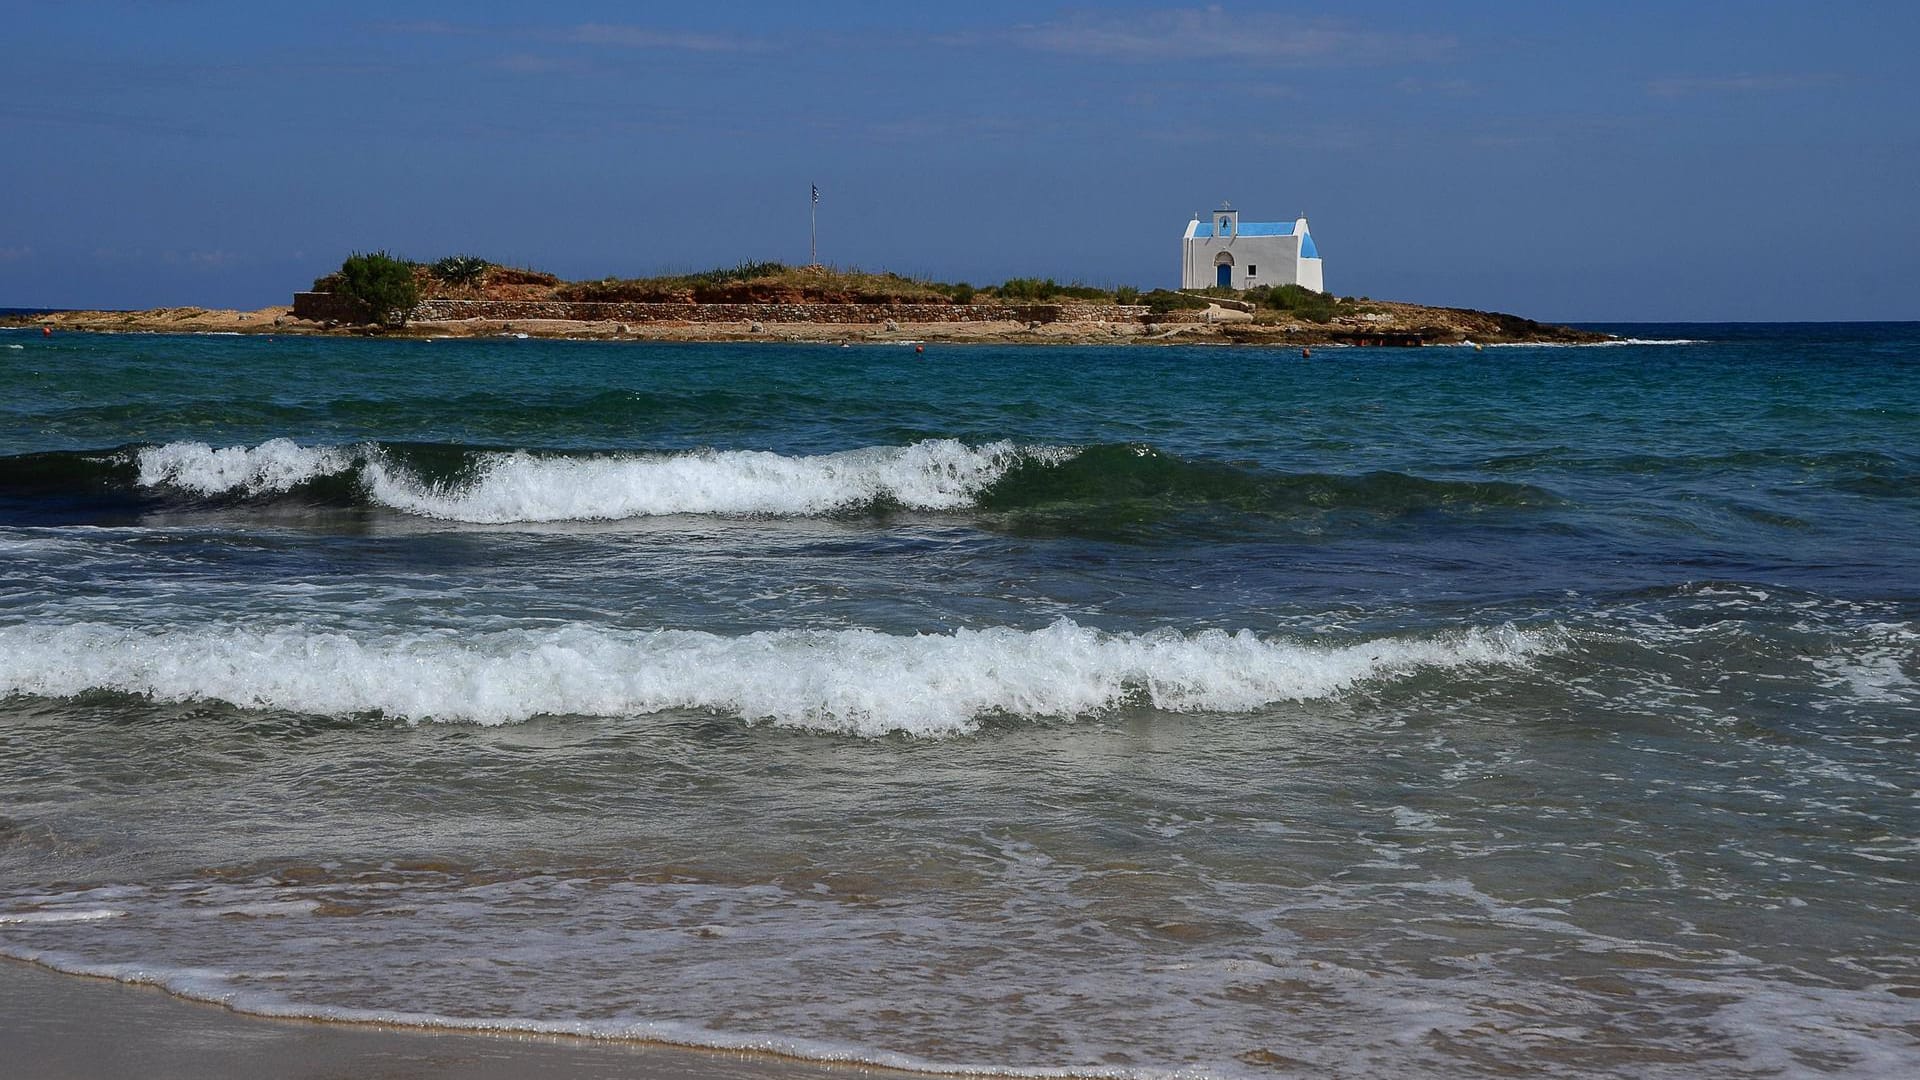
x=1130, y=712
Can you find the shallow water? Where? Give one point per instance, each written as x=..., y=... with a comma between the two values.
x=1071, y=710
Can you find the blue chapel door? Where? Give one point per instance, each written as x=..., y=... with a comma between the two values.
x=1223, y=276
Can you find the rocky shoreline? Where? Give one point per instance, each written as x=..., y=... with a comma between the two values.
x=1386, y=323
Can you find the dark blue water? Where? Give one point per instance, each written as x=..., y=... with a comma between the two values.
x=1126, y=709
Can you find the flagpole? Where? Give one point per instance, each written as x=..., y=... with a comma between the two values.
x=813, y=227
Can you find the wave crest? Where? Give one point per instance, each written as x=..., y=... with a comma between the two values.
x=939, y=474
x=273, y=466
x=856, y=681
x=501, y=487
x=1118, y=490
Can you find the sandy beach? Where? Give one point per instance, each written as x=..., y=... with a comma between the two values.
x=62, y=1026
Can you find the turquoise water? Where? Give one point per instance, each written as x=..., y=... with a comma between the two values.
x=1113, y=710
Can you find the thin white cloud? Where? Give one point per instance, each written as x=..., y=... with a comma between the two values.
x=1685, y=86
x=1214, y=32
x=646, y=37
x=618, y=35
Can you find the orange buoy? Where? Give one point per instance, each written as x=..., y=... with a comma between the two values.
x=1306, y=354
x=46, y=331
x=919, y=348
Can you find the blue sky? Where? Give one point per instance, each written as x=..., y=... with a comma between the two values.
x=1604, y=161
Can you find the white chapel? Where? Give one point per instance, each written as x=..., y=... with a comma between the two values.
x=1225, y=251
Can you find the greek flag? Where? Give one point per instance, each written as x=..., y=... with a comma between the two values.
x=816, y=192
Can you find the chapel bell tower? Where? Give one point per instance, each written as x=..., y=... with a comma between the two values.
x=1226, y=222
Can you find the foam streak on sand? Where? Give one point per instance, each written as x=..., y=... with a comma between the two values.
x=1614, y=343
x=59, y=916
x=787, y=1057
x=857, y=681
x=939, y=474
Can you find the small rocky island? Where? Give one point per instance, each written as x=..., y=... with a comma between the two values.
x=464, y=296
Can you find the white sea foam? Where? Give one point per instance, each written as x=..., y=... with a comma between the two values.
x=858, y=681
x=59, y=915
x=939, y=474
x=275, y=465
x=1612, y=343
x=462, y=961
x=936, y=475
x=1879, y=670
x=221, y=988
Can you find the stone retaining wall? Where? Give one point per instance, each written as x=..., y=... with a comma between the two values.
x=325, y=307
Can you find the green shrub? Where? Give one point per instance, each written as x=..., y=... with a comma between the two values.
x=1126, y=294
x=961, y=293
x=1161, y=301
x=382, y=286
x=1298, y=301
x=1293, y=297
x=745, y=271
x=1028, y=289
x=461, y=269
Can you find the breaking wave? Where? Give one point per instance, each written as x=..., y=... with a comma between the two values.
x=855, y=681
x=272, y=466
x=1099, y=488
x=498, y=487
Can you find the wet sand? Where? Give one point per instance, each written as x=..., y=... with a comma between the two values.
x=68, y=1027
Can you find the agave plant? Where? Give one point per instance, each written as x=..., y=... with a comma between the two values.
x=461, y=269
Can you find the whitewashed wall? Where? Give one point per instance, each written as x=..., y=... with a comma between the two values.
x=1276, y=259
